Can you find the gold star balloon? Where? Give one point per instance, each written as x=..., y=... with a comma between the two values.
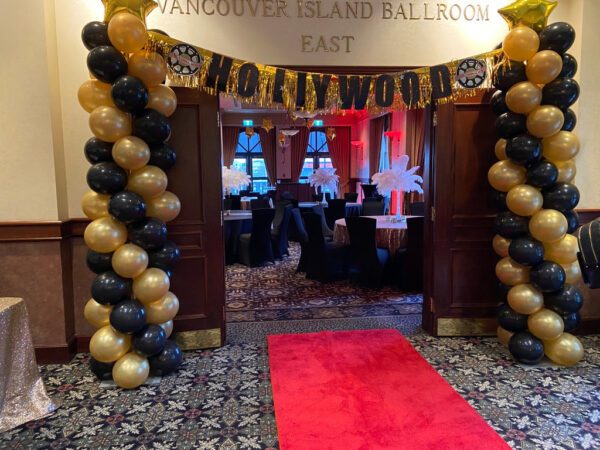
x=139, y=8
x=531, y=13
x=267, y=125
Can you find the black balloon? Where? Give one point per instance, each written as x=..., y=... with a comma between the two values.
x=152, y=126
x=547, y=276
x=572, y=220
x=569, y=68
x=162, y=156
x=108, y=288
x=562, y=197
x=127, y=206
x=95, y=34
x=562, y=93
x=498, y=103
x=571, y=321
x=558, y=36
x=508, y=74
x=542, y=174
x=106, y=178
x=129, y=94
x=511, y=320
x=570, y=120
x=97, y=151
x=150, y=340
x=509, y=225
x=568, y=300
x=106, y=63
x=498, y=200
x=166, y=361
x=165, y=257
x=103, y=371
x=149, y=233
x=524, y=149
x=129, y=316
x=98, y=262
x=509, y=125
x=526, y=251
x=526, y=348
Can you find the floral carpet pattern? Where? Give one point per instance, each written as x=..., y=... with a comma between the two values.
x=277, y=292
x=222, y=400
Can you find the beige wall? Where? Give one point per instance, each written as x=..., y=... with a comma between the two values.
x=43, y=129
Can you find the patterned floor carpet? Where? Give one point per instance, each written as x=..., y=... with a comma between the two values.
x=277, y=292
x=222, y=400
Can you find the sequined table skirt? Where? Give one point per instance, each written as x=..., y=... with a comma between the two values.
x=390, y=235
x=23, y=397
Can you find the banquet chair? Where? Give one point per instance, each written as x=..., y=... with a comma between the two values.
x=279, y=233
x=325, y=261
x=255, y=248
x=417, y=209
x=336, y=209
x=408, y=269
x=373, y=207
x=236, y=202
x=351, y=197
x=260, y=203
x=319, y=197
x=295, y=226
x=320, y=211
x=296, y=219
x=227, y=202
x=369, y=263
x=244, y=193
x=369, y=190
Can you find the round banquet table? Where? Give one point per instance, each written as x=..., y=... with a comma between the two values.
x=352, y=209
x=390, y=235
x=235, y=222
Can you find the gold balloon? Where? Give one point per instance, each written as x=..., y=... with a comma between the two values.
x=163, y=310
x=524, y=200
x=150, y=67
x=163, y=99
x=131, y=153
x=500, y=149
x=566, y=170
x=139, y=8
x=565, y=350
x=108, y=345
x=149, y=181
x=548, y=225
x=109, y=124
x=544, y=67
x=525, y=299
x=572, y=272
x=96, y=314
x=545, y=121
x=94, y=93
x=504, y=335
x=545, y=324
x=505, y=175
x=563, y=251
x=521, y=43
x=562, y=146
x=511, y=273
x=165, y=207
x=130, y=261
x=501, y=245
x=523, y=97
x=127, y=33
x=531, y=13
x=151, y=285
x=105, y=235
x=131, y=371
x=168, y=327
x=95, y=205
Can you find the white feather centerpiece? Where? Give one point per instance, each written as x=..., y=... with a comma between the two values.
x=399, y=179
x=233, y=179
x=324, y=179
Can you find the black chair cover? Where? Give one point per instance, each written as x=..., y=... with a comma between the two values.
x=351, y=197
x=417, y=209
x=256, y=248
x=373, y=207
x=318, y=210
x=279, y=234
x=409, y=260
x=589, y=252
x=260, y=203
x=336, y=209
x=325, y=261
x=370, y=260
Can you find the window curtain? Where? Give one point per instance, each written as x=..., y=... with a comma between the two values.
x=267, y=142
x=299, y=142
x=376, y=128
x=230, y=142
x=415, y=149
x=339, y=150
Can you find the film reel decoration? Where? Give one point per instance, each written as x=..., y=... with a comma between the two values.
x=471, y=73
x=184, y=59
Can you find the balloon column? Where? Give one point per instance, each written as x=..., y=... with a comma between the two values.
x=533, y=188
x=131, y=305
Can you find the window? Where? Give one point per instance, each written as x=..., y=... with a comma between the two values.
x=317, y=155
x=384, y=161
x=249, y=159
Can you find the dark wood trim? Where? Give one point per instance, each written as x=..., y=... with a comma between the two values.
x=31, y=231
x=61, y=354
x=590, y=325
x=82, y=344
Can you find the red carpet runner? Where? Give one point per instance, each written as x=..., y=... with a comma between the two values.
x=367, y=390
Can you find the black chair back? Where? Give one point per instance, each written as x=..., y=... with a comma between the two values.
x=287, y=195
x=280, y=233
x=314, y=249
x=336, y=209
x=261, y=249
x=351, y=197
x=236, y=202
x=244, y=193
x=253, y=194
x=227, y=202
x=260, y=203
x=318, y=210
x=369, y=190
x=412, y=273
x=272, y=194
x=296, y=230
x=417, y=209
x=319, y=197
x=365, y=254
x=373, y=207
